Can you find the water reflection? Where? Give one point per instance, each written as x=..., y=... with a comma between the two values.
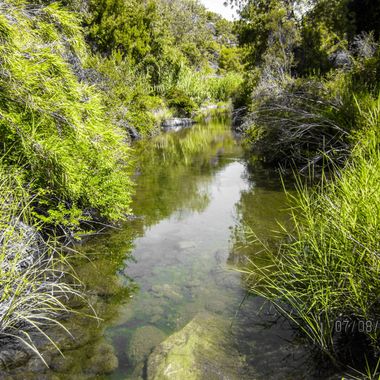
x=175, y=169
x=148, y=279
x=263, y=209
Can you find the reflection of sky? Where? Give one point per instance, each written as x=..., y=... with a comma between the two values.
x=218, y=7
x=205, y=232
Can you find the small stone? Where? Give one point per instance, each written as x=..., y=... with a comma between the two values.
x=182, y=245
x=215, y=306
x=168, y=291
x=155, y=318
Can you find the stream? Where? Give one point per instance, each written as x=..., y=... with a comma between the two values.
x=176, y=259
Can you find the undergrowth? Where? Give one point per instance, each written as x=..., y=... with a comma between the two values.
x=52, y=124
x=34, y=274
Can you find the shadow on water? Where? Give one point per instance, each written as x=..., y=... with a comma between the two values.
x=149, y=278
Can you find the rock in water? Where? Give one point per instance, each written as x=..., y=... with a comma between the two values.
x=103, y=360
x=177, y=122
x=201, y=350
x=143, y=341
x=171, y=292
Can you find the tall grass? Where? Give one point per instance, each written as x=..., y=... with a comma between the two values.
x=33, y=289
x=325, y=276
x=202, y=87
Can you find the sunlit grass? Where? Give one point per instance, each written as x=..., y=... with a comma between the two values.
x=212, y=88
x=35, y=283
x=328, y=268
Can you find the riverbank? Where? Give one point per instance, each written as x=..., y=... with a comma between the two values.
x=72, y=100
x=165, y=275
x=332, y=251
x=312, y=108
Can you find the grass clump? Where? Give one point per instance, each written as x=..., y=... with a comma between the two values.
x=326, y=276
x=202, y=86
x=33, y=289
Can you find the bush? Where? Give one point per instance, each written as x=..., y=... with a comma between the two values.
x=306, y=122
x=127, y=95
x=53, y=125
x=183, y=104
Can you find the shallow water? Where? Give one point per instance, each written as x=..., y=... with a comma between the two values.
x=195, y=192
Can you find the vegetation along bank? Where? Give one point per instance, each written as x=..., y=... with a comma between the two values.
x=311, y=105
x=79, y=80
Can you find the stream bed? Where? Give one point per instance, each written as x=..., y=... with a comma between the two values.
x=175, y=262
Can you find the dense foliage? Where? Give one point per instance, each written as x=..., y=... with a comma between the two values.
x=156, y=44
x=78, y=81
x=311, y=94
x=53, y=126
x=306, y=63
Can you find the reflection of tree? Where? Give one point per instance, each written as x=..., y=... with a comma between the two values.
x=175, y=170
x=175, y=167
x=264, y=176
x=261, y=209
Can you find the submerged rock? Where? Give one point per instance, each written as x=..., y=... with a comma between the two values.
x=183, y=245
x=143, y=341
x=12, y=358
x=177, y=122
x=201, y=350
x=103, y=360
x=171, y=292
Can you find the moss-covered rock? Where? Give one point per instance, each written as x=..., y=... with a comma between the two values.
x=103, y=360
x=201, y=350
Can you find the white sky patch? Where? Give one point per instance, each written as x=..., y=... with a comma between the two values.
x=218, y=7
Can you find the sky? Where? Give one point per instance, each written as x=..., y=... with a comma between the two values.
x=218, y=7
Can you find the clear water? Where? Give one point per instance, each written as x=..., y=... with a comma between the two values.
x=195, y=192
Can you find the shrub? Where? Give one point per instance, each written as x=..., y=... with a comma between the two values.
x=126, y=93
x=183, y=104
x=51, y=123
x=300, y=122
